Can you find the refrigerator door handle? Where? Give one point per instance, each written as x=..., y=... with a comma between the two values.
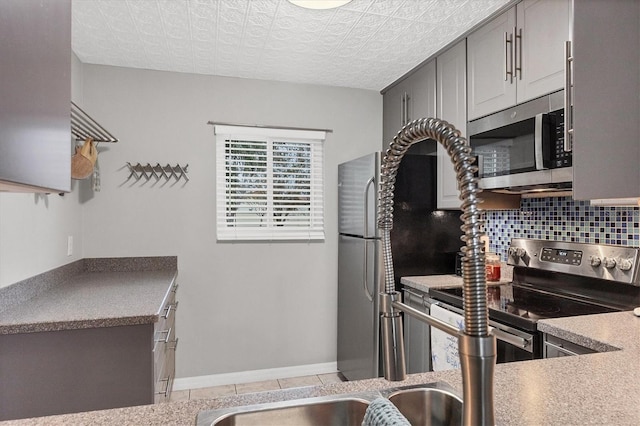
x=365, y=234
x=365, y=231
x=365, y=279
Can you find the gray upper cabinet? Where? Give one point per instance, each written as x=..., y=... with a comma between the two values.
x=412, y=98
x=451, y=106
x=517, y=56
x=35, y=94
x=606, y=106
x=489, y=59
x=542, y=30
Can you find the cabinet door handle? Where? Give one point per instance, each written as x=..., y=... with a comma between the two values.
x=568, y=88
x=175, y=344
x=166, y=337
x=560, y=348
x=508, y=57
x=411, y=295
x=517, y=46
x=171, y=306
x=167, y=387
x=402, y=110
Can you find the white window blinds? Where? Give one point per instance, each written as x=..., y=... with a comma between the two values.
x=270, y=183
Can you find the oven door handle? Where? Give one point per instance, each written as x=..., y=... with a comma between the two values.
x=521, y=342
x=496, y=329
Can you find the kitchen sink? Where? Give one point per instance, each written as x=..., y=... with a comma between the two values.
x=342, y=411
x=430, y=404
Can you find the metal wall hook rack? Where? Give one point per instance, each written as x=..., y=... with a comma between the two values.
x=84, y=127
x=147, y=171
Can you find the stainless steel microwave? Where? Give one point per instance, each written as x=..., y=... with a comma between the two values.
x=521, y=149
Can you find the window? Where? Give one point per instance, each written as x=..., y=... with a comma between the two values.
x=269, y=183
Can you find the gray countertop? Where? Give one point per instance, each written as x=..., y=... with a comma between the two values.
x=424, y=283
x=596, y=389
x=92, y=297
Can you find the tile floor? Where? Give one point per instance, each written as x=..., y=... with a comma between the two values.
x=242, y=388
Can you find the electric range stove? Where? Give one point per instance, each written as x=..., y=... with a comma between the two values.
x=554, y=279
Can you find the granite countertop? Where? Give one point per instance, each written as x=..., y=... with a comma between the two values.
x=96, y=293
x=597, y=389
x=426, y=282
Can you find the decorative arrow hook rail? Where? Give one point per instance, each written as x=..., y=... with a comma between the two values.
x=147, y=171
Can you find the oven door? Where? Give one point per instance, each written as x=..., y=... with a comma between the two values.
x=512, y=344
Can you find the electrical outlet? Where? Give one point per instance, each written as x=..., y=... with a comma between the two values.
x=69, y=245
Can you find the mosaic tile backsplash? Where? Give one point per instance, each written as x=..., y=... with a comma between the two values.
x=563, y=219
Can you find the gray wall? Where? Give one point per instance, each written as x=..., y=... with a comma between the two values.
x=243, y=306
x=34, y=227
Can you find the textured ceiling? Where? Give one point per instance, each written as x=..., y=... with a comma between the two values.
x=366, y=44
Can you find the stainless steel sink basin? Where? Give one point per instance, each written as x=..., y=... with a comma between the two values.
x=430, y=404
x=344, y=411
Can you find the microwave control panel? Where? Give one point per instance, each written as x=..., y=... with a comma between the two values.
x=560, y=157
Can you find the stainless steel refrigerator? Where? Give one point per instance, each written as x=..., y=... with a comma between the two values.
x=424, y=242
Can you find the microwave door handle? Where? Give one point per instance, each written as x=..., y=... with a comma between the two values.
x=539, y=148
x=568, y=101
x=480, y=164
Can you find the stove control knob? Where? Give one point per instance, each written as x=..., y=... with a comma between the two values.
x=609, y=263
x=625, y=264
x=595, y=261
x=520, y=252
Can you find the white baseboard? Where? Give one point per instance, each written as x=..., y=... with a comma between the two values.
x=253, y=376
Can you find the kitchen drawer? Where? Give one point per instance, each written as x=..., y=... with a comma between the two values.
x=164, y=381
x=165, y=326
x=166, y=321
x=168, y=343
x=168, y=311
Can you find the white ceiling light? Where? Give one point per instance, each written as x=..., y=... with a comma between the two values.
x=319, y=4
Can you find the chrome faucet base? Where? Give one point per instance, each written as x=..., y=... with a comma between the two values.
x=478, y=360
x=392, y=338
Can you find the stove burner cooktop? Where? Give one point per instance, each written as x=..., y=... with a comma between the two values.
x=522, y=306
x=554, y=279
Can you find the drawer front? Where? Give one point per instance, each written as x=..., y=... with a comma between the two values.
x=168, y=312
x=164, y=382
x=166, y=324
x=165, y=344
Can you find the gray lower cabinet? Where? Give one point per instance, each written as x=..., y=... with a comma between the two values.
x=69, y=371
x=417, y=336
x=555, y=347
x=164, y=349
